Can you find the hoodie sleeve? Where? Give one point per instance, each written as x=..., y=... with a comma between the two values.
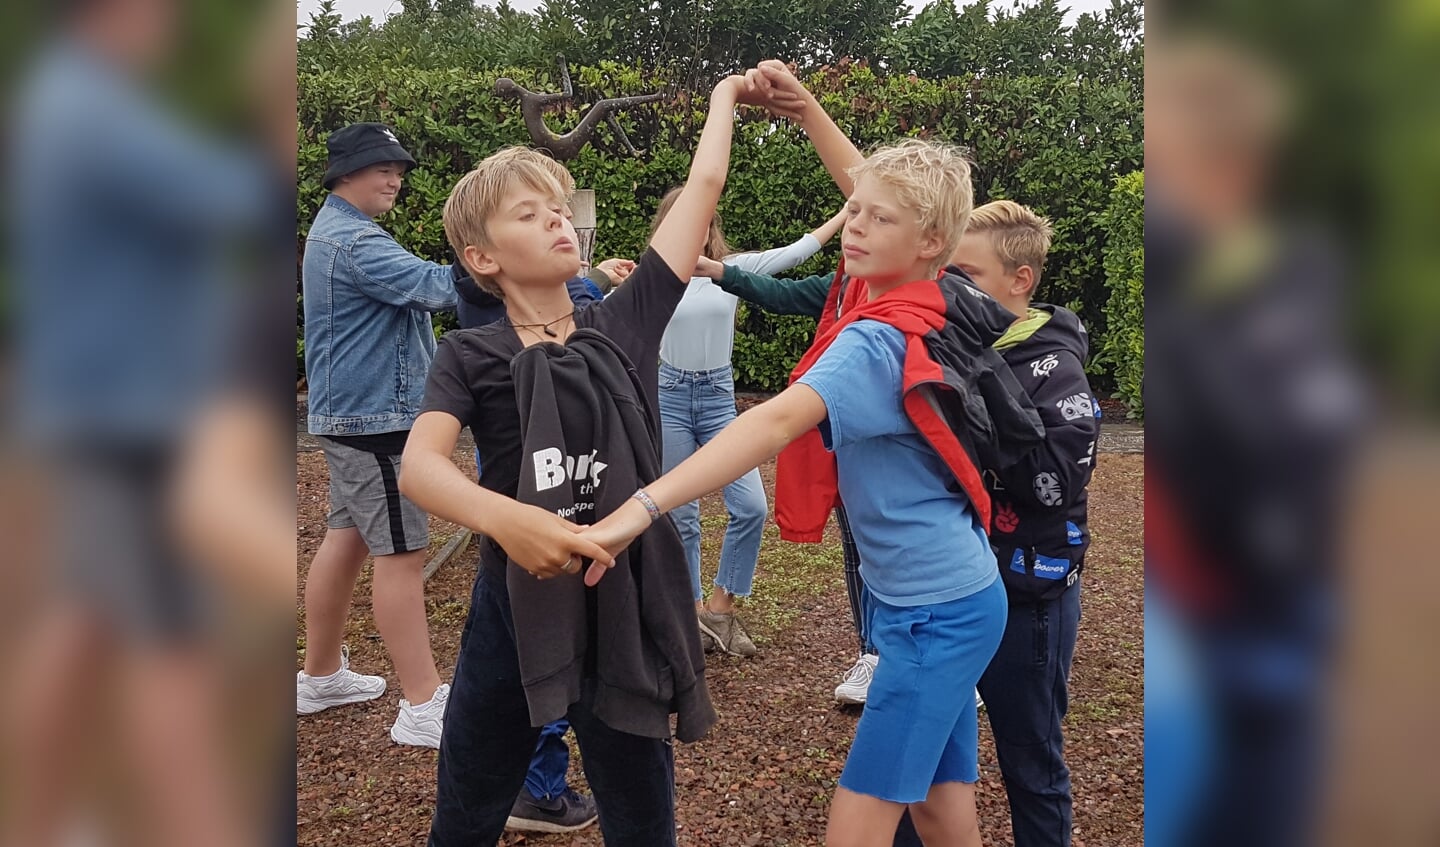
x=778, y=296
x=1054, y=473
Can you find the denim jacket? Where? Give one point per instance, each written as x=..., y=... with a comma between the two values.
x=368, y=337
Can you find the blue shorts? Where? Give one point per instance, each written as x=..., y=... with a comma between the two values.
x=919, y=725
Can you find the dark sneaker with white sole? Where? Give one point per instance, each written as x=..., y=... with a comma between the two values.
x=568, y=812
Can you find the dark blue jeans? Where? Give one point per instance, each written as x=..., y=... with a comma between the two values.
x=551, y=762
x=488, y=742
x=1026, y=697
x=546, y=777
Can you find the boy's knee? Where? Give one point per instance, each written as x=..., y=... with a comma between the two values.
x=401, y=565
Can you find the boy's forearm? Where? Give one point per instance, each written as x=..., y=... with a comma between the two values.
x=827, y=230
x=711, y=163
x=836, y=150
x=781, y=297
x=746, y=442
x=435, y=484
x=681, y=236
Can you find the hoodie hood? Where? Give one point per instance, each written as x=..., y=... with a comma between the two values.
x=1061, y=330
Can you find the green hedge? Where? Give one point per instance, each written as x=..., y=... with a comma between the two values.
x=1122, y=349
x=1055, y=144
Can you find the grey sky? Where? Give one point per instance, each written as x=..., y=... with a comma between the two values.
x=380, y=9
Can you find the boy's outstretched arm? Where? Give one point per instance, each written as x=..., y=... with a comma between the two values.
x=774, y=80
x=680, y=237
x=776, y=296
x=541, y=542
x=749, y=440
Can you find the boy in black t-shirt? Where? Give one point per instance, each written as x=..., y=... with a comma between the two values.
x=561, y=404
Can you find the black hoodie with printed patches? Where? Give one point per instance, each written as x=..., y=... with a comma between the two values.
x=1039, y=528
x=590, y=441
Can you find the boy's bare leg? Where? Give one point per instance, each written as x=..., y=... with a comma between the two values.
x=858, y=820
x=45, y=714
x=399, y=599
x=173, y=716
x=947, y=817
x=328, y=587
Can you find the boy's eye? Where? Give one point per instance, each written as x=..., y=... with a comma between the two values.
x=528, y=216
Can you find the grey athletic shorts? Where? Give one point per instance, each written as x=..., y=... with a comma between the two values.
x=365, y=494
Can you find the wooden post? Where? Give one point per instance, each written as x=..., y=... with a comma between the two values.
x=582, y=208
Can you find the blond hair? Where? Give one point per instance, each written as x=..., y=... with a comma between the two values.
x=930, y=179
x=1020, y=237
x=716, y=246
x=478, y=195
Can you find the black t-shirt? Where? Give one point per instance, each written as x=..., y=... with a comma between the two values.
x=470, y=377
x=380, y=443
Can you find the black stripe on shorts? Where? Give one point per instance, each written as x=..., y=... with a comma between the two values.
x=392, y=504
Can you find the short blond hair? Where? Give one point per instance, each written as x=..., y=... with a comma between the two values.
x=930, y=179
x=478, y=195
x=1020, y=237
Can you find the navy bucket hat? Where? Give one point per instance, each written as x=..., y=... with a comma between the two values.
x=360, y=146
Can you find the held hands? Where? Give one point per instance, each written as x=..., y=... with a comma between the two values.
x=546, y=544
x=709, y=267
x=613, y=534
x=780, y=91
x=754, y=89
x=617, y=269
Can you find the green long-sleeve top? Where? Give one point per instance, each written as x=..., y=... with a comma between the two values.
x=778, y=296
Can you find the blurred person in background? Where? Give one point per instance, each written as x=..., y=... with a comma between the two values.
x=1253, y=419
x=128, y=213
x=369, y=342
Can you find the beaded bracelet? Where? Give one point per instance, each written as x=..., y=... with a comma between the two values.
x=649, y=504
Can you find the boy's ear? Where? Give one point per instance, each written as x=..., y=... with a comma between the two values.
x=479, y=262
x=932, y=244
x=1024, y=283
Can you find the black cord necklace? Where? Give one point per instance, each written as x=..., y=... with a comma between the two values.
x=545, y=326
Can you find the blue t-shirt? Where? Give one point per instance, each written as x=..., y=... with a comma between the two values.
x=919, y=540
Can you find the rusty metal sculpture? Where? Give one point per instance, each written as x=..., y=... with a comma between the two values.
x=569, y=145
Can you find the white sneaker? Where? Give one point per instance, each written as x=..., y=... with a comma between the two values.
x=420, y=725
x=317, y=693
x=979, y=704
x=856, y=685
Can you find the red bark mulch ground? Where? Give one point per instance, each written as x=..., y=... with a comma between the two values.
x=766, y=773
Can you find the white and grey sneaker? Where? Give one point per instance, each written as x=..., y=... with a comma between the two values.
x=420, y=726
x=979, y=704
x=856, y=685
x=317, y=693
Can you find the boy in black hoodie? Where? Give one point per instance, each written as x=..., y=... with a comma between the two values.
x=1039, y=531
x=561, y=404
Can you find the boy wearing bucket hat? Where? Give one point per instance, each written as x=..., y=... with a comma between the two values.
x=368, y=345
